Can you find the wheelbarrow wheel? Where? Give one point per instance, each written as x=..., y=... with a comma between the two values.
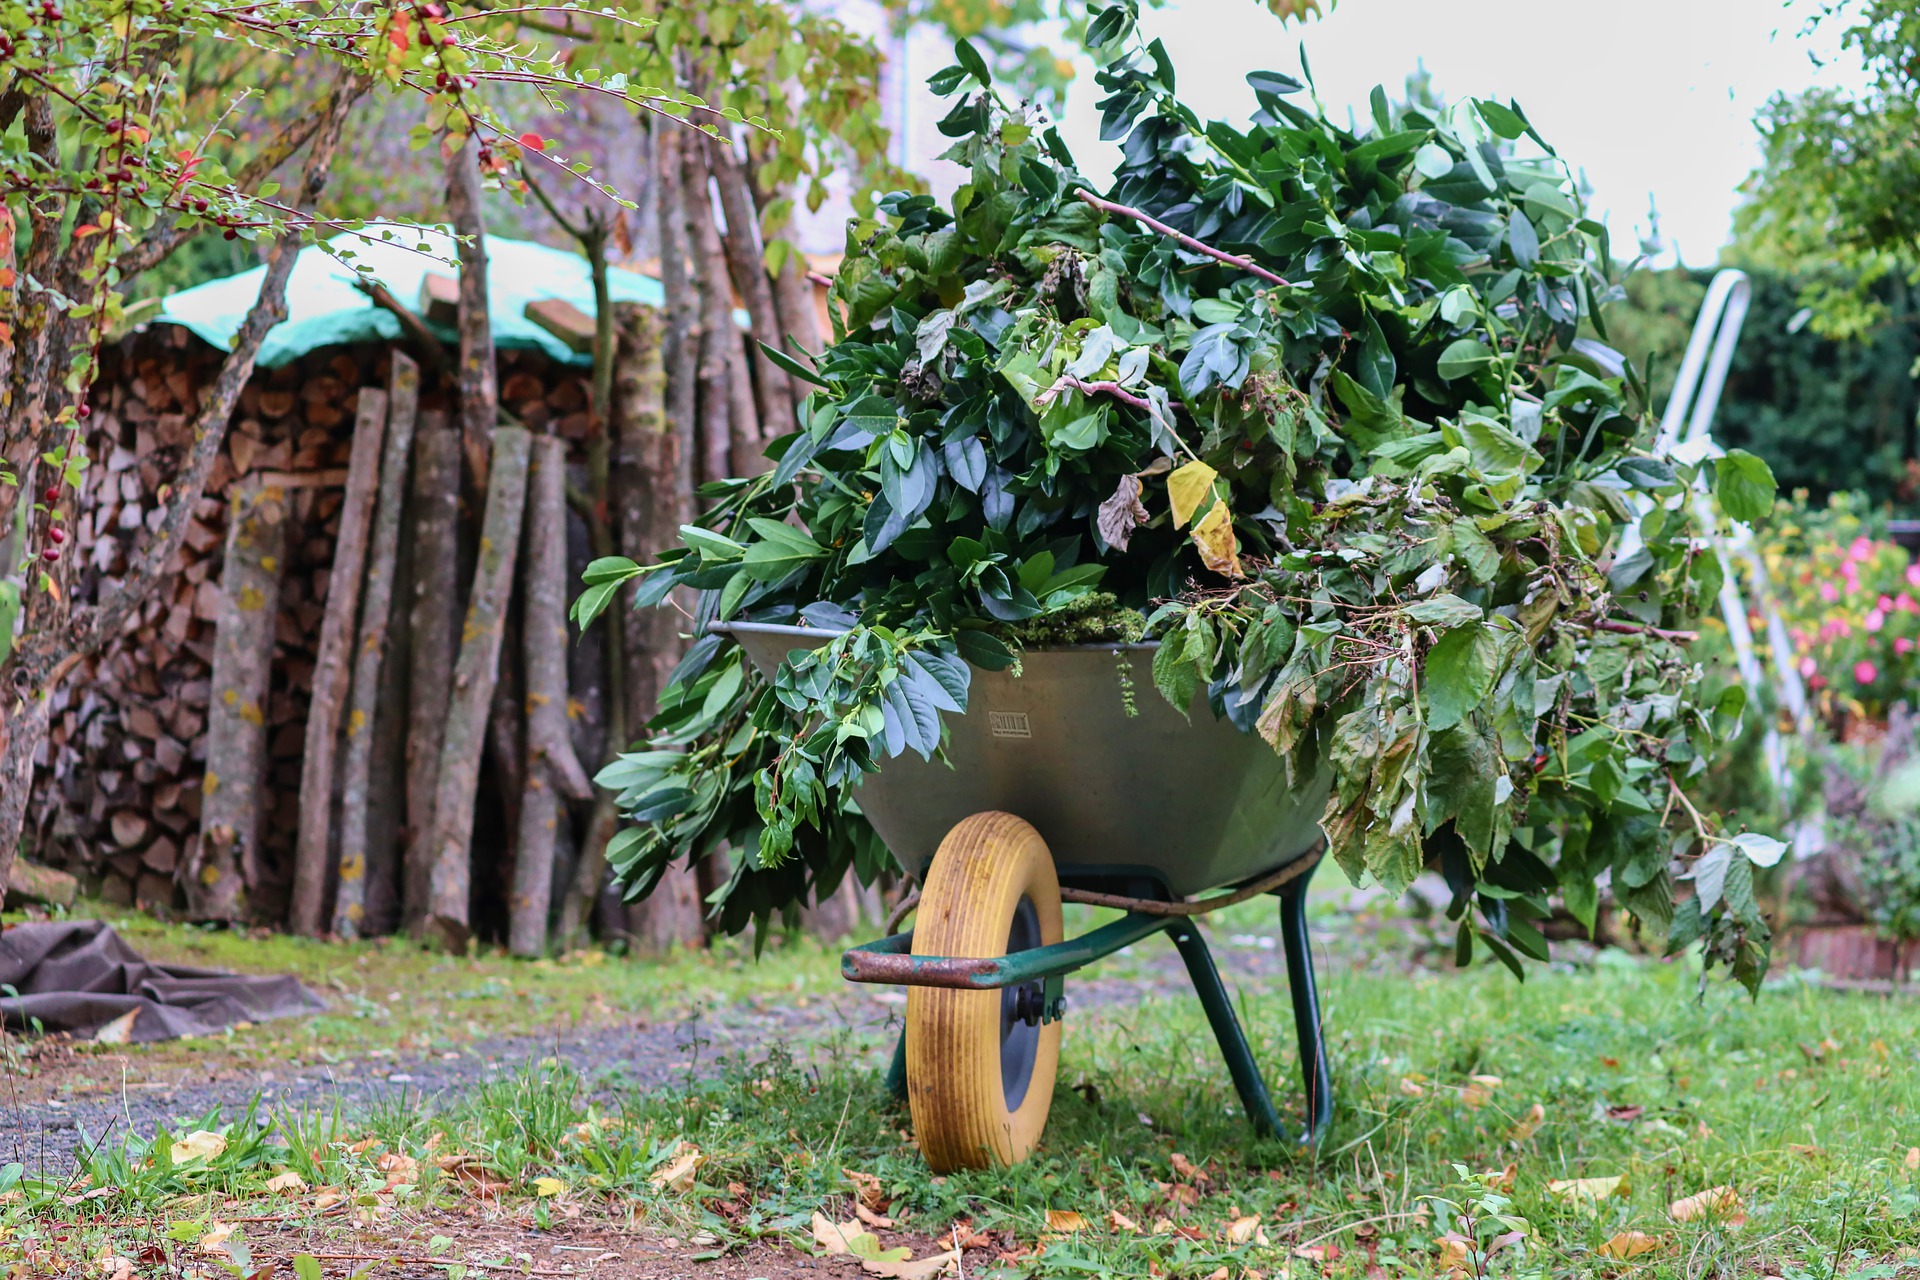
x=980, y=1064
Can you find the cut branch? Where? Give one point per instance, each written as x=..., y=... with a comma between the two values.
x=1639, y=629
x=1182, y=238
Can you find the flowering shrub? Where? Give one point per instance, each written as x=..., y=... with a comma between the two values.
x=1851, y=601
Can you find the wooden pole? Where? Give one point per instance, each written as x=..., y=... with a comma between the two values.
x=447, y=920
x=330, y=671
x=403, y=399
x=435, y=644
x=720, y=418
x=232, y=791
x=552, y=769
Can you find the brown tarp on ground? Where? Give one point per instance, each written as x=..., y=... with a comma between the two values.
x=78, y=976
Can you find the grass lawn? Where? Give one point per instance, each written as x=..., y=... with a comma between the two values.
x=1464, y=1098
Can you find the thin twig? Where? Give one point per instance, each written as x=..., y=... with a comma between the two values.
x=1218, y=255
x=1638, y=629
x=1068, y=382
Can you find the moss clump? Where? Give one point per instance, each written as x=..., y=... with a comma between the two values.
x=1099, y=618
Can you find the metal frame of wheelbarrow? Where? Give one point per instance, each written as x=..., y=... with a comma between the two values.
x=890, y=961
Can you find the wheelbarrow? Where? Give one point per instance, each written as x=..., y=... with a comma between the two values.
x=1071, y=781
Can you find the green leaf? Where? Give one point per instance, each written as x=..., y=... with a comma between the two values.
x=1761, y=851
x=1502, y=120
x=1459, y=674
x=711, y=546
x=1173, y=675
x=1433, y=161
x=792, y=367
x=1523, y=241
x=307, y=1267
x=1464, y=358
x=1744, y=484
x=1445, y=612
x=969, y=58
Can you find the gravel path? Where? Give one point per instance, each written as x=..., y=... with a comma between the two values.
x=41, y=1130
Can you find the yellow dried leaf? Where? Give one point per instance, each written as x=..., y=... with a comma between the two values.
x=838, y=1237
x=1241, y=1230
x=1587, y=1193
x=677, y=1173
x=1187, y=488
x=1121, y=1222
x=1163, y=1226
x=547, y=1188
x=1065, y=1220
x=119, y=1031
x=1714, y=1202
x=1219, y=549
x=1629, y=1244
x=215, y=1240
x=1529, y=1124
x=286, y=1183
x=1218, y=1273
x=1456, y=1255
x=1913, y=1158
x=912, y=1268
x=398, y=1168
x=1478, y=1090
x=1413, y=1086
x=871, y=1218
x=198, y=1145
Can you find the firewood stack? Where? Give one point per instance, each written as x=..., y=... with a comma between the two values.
x=121, y=791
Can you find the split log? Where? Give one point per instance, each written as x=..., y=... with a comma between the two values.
x=747, y=261
x=552, y=769
x=330, y=673
x=403, y=398
x=718, y=334
x=27, y=882
x=233, y=789
x=435, y=611
x=446, y=919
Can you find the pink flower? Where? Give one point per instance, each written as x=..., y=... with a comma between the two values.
x=1862, y=549
x=1902, y=645
x=1875, y=620
x=1865, y=672
x=1800, y=638
x=1851, y=572
x=1913, y=575
x=1807, y=667
x=1905, y=604
x=1885, y=604
x=1829, y=592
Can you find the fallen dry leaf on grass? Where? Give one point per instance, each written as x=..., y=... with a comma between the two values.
x=1529, y=1124
x=198, y=1145
x=1628, y=1244
x=547, y=1188
x=867, y=1187
x=1587, y=1193
x=361, y=1147
x=286, y=1183
x=1913, y=1158
x=677, y=1173
x=871, y=1218
x=1714, y=1202
x=1502, y=1179
x=1456, y=1253
x=1317, y=1252
x=1414, y=1086
x=119, y=1031
x=1064, y=1221
x=112, y=1265
x=1121, y=1222
x=398, y=1168
x=1187, y=1171
x=1625, y=1114
x=215, y=1240
x=1241, y=1230
x=852, y=1240
x=1163, y=1226
x=963, y=1236
x=1478, y=1091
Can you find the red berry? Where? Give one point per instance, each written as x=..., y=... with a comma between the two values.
x=51, y=553
x=52, y=493
x=85, y=411
x=231, y=234
x=57, y=534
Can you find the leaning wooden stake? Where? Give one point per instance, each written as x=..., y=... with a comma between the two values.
x=331, y=670
x=216, y=883
x=553, y=771
x=435, y=644
x=403, y=398
x=446, y=920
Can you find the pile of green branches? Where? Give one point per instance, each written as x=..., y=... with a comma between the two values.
x=1311, y=400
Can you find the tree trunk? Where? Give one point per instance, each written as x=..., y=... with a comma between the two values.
x=435, y=612
x=793, y=295
x=403, y=398
x=552, y=769
x=773, y=393
x=41, y=660
x=446, y=920
x=236, y=731
x=330, y=668
x=720, y=422
x=680, y=340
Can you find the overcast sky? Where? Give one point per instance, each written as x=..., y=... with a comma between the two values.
x=1649, y=97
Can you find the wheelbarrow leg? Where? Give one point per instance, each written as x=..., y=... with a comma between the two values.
x=1226, y=1028
x=1306, y=1007
x=897, y=1072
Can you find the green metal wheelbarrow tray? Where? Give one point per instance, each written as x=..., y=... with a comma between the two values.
x=1066, y=782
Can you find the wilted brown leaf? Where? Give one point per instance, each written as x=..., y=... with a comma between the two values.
x=1122, y=513
x=119, y=1031
x=1628, y=1244
x=216, y=1238
x=1456, y=1254
x=1587, y=1193
x=286, y=1183
x=1064, y=1221
x=398, y=1168
x=1625, y=1115
x=1121, y=1222
x=1714, y=1202
x=1479, y=1090
x=872, y=1219
x=1187, y=1171
x=1913, y=1158
x=1240, y=1230
x=1529, y=1124
x=867, y=1188
x=677, y=1173
x=1219, y=549
x=912, y=1268
x=198, y=1145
